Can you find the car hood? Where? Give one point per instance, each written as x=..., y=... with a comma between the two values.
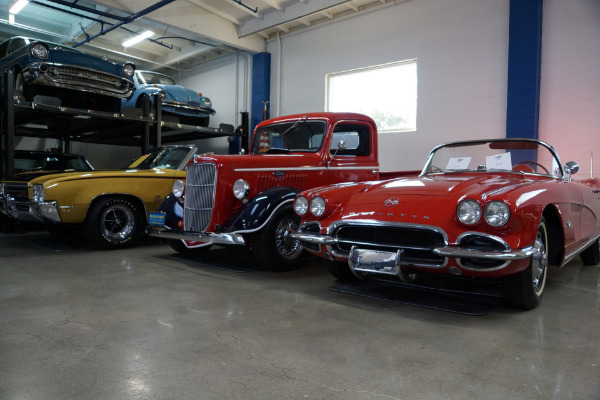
x=53, y=176
x=176, y=92
x=428, y=194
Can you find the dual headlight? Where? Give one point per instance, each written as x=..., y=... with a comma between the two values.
x=38, y=193
x=316, y=206
x=495, y=213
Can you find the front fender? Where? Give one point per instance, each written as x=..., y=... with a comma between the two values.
x=256, y=212
x=173, y=211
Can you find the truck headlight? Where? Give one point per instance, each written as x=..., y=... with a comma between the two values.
x=317, y=206
x=178, y=188
x=496, y=213
x=240, y=189
x=301, y=205
x=38, y=193
x=468, y=212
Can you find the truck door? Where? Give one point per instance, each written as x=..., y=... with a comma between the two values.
x=356, y=159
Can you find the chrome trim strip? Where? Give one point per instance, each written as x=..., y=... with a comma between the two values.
x=373, y=222
x=374, y=168
x=485, y=235
x=315, y=238
x=574, y=254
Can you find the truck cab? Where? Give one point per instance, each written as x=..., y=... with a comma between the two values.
x=247, y=199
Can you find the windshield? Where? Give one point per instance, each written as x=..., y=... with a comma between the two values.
x=519, y=156
x=152, y=78
x=163, y=157
x=29, y=162
x=296, y=136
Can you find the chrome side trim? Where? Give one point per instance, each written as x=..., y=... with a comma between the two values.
x=574, y=254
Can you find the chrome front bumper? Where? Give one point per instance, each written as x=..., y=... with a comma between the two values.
x=445, y=251
x=30, y=211
x=207, y=237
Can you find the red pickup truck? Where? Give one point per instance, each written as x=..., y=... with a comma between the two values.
x=247, y=199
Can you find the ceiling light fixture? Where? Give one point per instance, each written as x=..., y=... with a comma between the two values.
x=137, y=39
x=18, y=6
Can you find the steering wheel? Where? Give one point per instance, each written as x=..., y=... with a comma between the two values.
x=533, y=163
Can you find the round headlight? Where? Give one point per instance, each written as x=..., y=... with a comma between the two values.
x=301, y=205
x=178, y=188
x=162, y=94
x=128, y=70
x=240, y=189
x=496, y=213
x=207, y=102
x=468, y=212
x=40, y=50
x=317, y=206
x=38, y=193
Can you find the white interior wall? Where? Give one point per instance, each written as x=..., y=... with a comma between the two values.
x=462, y=52
x=570, y=85
x=227, y=83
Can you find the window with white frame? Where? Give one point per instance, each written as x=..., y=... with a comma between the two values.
x=387, y=93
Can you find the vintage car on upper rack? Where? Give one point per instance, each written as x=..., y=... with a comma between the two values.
x=56, y=74
x=110, y=206
x=45, y=162
x=187, y=106
x=503, y=209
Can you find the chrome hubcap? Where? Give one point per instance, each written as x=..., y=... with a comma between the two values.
x=287, y=247
x=539, y=264
x=117, y=222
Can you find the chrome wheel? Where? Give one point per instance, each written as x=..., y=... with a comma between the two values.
x=117, y=222
x=539, y=262
x=287, y=247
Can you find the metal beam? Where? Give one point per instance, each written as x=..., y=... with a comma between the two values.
x=292, y=12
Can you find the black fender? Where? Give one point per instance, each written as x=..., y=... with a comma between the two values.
x=256, y=212
x=173, y=210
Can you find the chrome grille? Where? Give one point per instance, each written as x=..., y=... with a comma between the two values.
x=18, y=191
x=88, y=77
x=199, y=196
x=416, y=241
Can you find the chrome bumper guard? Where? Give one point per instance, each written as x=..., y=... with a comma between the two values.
x=30, y=211
x=315, y=238
x=207, y=237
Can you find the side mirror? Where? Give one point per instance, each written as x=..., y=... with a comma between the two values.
x=340, y=146
x=572, y=167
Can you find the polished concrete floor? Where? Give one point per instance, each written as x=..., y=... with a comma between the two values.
x=77, y=323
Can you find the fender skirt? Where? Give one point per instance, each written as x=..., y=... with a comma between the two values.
x=254, y=214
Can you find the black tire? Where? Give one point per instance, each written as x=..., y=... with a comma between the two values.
x=144, y=103
x=273, y=248
x=526, y=289
x=591, y=255
x=340, y=271
x=179, y=247
x=114, y=223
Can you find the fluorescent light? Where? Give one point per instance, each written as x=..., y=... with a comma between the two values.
x=18, y=6
x=138, y=38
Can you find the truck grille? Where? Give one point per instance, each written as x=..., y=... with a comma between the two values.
x=199, y=196
x=416, y=241
x=18, y=191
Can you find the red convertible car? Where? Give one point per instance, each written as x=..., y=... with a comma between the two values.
x=504, y=208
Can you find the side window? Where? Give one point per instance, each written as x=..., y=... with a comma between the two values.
x=355, y=137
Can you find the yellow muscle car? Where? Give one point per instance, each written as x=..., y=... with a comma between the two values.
x=112, y=206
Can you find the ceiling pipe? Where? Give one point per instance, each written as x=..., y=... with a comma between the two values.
x=127, y=20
